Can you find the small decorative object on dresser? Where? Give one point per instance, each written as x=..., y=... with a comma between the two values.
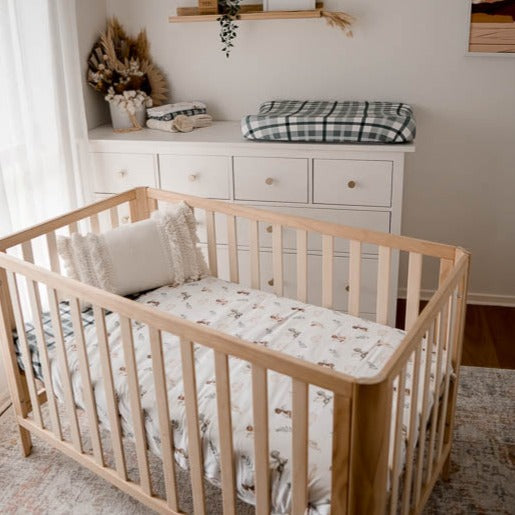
x=120, y=67
x=208, y=6
x=288, y=5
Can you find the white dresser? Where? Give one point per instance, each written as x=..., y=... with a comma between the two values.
x=357, y=185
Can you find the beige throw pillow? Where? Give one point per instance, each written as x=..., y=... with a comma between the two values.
x=137, y=257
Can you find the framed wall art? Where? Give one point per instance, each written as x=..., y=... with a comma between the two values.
x=491, y=27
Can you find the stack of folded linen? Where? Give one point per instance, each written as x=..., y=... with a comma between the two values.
x=170, y=111
x=179, y=117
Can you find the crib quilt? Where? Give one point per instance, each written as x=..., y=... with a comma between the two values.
x=331, y=339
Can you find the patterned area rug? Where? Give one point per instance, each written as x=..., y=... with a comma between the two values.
x=482, y=481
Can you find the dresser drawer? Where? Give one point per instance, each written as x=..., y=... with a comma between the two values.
x=204, y=176
x=114, y=173
x=271, y=179
x=352, y=182
x=340, y=284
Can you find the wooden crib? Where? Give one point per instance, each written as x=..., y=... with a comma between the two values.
x=361, y=439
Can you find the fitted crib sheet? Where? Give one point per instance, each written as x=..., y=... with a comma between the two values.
x=331, y=339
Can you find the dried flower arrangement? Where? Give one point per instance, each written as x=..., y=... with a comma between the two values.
x=120, y=67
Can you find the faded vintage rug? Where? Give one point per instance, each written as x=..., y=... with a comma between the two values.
x=482, y=482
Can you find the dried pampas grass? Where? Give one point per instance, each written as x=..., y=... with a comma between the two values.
x=339, y=20
x=122, y=62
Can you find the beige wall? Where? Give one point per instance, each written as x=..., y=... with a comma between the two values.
x=460, y=183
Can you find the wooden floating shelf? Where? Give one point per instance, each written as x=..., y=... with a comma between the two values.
x=247, y=12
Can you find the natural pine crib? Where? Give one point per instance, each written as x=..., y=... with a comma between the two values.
x=362, y=410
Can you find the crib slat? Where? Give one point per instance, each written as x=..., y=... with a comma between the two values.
x=413, y=292
x=261, y=449
x=327, y=270
x=194, y=442
x=85, y=375
x=255, y=281
x=398, y=440
x=223, y=401
x=412, y=433
x=135, y=402
x=94, y=223
x=425, y=410
x=35, y=306
x=51, y=243
x=211, y=243
x=112, y=405
x=277, y=254
x=302, y=265
x=354, y=277
x=163, y=411
x=25, y=351
x=73, y=228
x=383, y=284
x=448, y=371
x=340, y=454
x=114, y=218
x=299, y=447
x=438, y=378
x=64, y=370
x=232, y=247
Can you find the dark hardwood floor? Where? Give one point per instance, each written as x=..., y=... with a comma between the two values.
x=489, y=335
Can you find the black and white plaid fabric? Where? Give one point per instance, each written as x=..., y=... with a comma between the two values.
x=67, y=325
x=170, y=116
x=331, y=122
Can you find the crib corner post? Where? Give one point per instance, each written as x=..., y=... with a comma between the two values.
x=457, y=347
x=17, y=381
x=370, y=437
x=141, y=206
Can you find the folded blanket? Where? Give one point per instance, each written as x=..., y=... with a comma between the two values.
x=170, y=111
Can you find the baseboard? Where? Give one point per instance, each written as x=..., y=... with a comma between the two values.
x=482, y=299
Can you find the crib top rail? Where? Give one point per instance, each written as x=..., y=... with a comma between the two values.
x=64, y=220
x=405, y=243
x=428, y=248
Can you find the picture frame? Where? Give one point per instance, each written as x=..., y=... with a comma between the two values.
x=490, y=27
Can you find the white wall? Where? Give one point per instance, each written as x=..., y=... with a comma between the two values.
x=460, y=183
x=91, y=16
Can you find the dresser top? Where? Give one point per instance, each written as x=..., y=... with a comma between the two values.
x=219, y=134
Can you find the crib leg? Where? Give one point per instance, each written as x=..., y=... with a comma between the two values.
x=16, y=380
x=370, y=434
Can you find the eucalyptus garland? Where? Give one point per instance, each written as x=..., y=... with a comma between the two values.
x=229, y=9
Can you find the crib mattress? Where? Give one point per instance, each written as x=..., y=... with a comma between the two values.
x=332, y=339
x=331, y=122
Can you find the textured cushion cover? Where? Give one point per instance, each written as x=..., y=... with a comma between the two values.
x=137, y=257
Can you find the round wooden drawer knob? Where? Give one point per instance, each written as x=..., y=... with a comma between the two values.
x=351, y=184
x=271, y=282
x=347, y=288
x=122, y=173
x=269, y=228
x=269, y=181
x=192, y=177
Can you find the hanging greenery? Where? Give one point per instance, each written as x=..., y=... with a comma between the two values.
x=228, y=9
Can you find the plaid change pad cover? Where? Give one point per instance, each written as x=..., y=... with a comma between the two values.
x=331, y=122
